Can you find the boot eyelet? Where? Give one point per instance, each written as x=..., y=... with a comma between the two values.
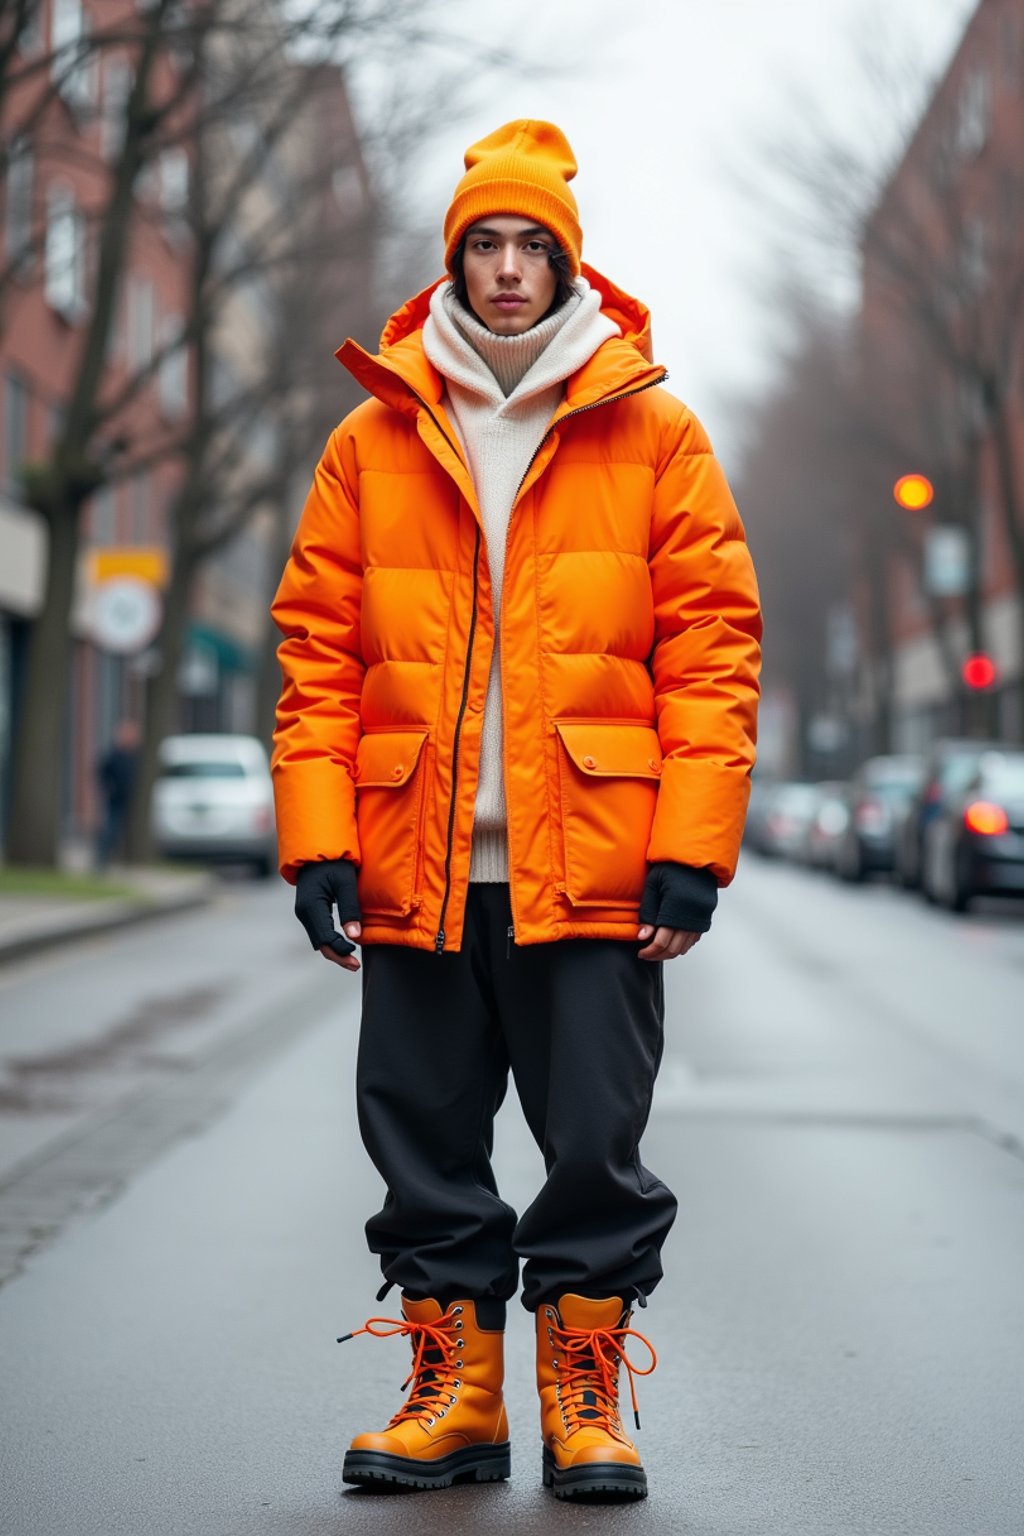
x=430, y=1423
x=456, y=1383
x=459, y=1323
x=456, y=1311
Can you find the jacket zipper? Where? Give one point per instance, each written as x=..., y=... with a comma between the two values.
x=579, y=411
x=439, y=940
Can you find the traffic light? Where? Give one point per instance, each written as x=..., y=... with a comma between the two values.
x=978, y=672
x=914, y=492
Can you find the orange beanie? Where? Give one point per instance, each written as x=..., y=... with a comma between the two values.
x=525, y=168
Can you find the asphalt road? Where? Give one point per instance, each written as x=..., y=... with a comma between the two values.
x=841, y=1331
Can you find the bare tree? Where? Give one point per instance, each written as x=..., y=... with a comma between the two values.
x=199, y=74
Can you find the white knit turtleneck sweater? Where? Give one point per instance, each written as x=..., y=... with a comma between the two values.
x=501, y=393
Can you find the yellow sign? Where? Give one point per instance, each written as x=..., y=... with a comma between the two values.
x=139, y=562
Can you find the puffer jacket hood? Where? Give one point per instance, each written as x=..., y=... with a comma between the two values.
x=629, y=635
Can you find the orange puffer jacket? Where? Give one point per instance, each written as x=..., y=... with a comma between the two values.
x=629, y=651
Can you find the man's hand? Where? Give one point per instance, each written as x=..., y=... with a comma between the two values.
x=676, y=909
x=318, y=886
x=666, y=943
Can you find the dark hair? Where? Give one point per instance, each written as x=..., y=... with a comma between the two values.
x=558, y=261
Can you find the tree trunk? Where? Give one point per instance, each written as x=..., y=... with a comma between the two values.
x=38, y=777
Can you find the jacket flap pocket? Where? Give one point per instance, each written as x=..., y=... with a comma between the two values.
x=386, y=759
x=618, y=751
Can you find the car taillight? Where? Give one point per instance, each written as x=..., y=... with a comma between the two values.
x=982, y=816
x=870, y=816
x=933, y=794
x=263, y=818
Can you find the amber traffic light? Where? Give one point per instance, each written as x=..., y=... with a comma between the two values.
x=914, y=492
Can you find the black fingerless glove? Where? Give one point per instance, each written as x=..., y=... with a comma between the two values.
x=679, y=896
x=317, y=887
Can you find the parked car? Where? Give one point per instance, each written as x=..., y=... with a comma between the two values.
x=787, y=818
x=974, y=846
x=878, y=800
x=827, y=825
x=213, y=801
x=948, y=767
x=754, y=834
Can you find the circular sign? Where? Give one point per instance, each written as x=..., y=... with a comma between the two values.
x=125, y=615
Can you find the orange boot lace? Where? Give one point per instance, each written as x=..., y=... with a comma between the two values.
x=588, y=1362
x=437, y=1351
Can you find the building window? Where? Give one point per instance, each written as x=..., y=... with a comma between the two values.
x=173, y=369
x=56, y=416
x=30, y=38
x=141, y=321
x=65, y=253
x=15, y=433
x=975, y=113
x=140, y=508
x=174, y=180
x=117, y=87
x=102, y=517
x=18, y=206
x=974, y=260
x=74, y=64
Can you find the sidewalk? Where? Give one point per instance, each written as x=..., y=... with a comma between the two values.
x=32, y=919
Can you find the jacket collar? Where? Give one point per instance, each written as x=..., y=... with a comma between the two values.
x=400, y=375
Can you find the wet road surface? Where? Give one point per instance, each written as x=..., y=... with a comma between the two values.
x=841, y=1330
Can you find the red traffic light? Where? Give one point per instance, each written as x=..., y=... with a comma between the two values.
x=914, y=492
x=978, y=672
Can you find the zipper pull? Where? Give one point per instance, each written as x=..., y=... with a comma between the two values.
x=509, y=941
x=439, y=942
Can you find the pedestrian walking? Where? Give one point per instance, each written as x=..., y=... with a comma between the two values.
x=520, y=657
x=116, y=773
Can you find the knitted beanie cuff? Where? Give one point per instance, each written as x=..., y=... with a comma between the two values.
x=505, y=196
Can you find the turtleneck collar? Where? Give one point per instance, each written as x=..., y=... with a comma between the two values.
x=509, y=358
x=511, y=372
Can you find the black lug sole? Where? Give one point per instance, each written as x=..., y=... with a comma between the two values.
x=599, y=1481
x=474, y=1463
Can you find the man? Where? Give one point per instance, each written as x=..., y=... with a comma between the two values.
x=513, y=746
x=116, y=773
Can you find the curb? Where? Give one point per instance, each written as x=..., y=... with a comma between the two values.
x=119, y=913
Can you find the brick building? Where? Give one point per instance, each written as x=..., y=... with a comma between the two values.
x=56, y=178
x=942, y=327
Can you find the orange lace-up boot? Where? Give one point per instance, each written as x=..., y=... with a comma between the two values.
x=453, y=1423
x=580, y=1347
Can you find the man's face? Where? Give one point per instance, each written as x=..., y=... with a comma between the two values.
x=510, y=282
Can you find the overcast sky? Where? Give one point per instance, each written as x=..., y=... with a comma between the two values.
x=663, y=101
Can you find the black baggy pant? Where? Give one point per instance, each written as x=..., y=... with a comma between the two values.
x=580, y=1022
